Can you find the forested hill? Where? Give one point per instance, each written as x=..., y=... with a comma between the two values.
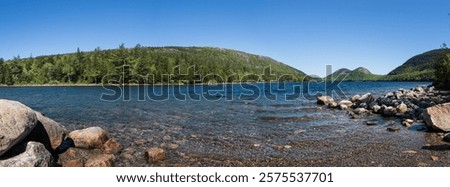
x=146, y=65
x=358, y=74
x=419, y=68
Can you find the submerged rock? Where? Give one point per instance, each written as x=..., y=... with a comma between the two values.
x=438, y=117
x=393, y=129
x=155, y=154
x=105, y=160
x=35, y=155
x=16, y=122
x=112, y=146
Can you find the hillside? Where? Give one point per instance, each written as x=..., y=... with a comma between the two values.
x=146, y=65
x=419, y=67
x=358, y=74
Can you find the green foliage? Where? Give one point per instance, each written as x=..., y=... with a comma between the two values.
x=144, y=65
x=442, y=70
x=418, y=68
x=359, y=74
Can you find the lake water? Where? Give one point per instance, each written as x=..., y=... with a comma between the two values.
x=223, y=125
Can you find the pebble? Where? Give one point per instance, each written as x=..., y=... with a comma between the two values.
x=371, y=123
x=434, y=158
x=287, y=146
x=167, y=138
x=410, y=152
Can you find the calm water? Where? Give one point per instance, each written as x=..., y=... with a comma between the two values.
x=239, y=106
x=211, y=125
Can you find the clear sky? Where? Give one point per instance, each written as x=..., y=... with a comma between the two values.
x=307, y=35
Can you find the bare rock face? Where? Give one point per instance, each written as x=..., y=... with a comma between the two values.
x=438, y=117
x=89, y=138
x=35, y=155
x=16, y=123
x=155, y=154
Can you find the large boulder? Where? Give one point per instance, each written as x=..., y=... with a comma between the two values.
x=48, y=132
x=55, y=131
x=35, y=155
x=366, y=98
x=355, y=98
x=16, y=123
x=438, y=117
x=324, y=100
x=345, y=104
x=89, y=138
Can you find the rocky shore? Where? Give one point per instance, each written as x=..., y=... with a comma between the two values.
x=422, y=104
x=29, y=139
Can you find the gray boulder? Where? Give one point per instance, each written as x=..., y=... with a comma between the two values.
x=324, y=100
x=366, y=98
x=346, y=102
x=16, y=123
x=355, y=98
x=376, y=108
x=389, y=111
x=35, y=155
x=360, y=110
x=438, y=117
x=402, y=108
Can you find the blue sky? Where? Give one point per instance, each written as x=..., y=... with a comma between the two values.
x=307, y=35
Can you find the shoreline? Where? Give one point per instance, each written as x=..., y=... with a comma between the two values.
x=173, y=84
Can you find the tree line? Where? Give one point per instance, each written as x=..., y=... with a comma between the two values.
x=139, y=65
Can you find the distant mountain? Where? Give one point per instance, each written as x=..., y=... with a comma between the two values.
x=151, y=65
x=358, y=74
x=418, y=68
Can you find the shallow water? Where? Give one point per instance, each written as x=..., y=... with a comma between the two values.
x=234, y=125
